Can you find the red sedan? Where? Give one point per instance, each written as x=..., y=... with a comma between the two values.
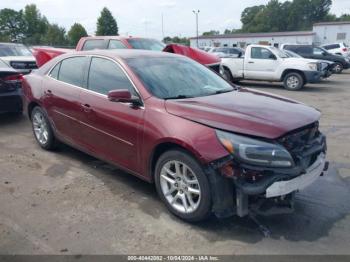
x=207, y=145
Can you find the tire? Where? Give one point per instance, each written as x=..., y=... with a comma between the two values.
x=42, y=129
x=293, y=81
x=190, y=186
x=227, y=75
x=338, y=68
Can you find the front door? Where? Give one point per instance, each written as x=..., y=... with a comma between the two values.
x=262, y=64
x=110, y=129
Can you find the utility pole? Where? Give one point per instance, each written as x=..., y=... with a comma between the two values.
x=197, y=13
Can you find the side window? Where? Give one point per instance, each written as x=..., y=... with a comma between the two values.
x=95, y=44
x=72, y=70
x=54, y=71
x=116, y=44
x=304, y=50
x=105, y=75
x=317, y=51
x=261, y=53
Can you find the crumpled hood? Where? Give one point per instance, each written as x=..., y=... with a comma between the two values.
x=247, y=112
x=196, y=54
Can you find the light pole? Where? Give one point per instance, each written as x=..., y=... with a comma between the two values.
x=196, y=13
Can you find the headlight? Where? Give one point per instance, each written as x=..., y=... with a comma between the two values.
x=255, y=152
x=312, y=66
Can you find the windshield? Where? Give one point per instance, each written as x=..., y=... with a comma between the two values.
x=279, y=52
x=177, y=77
x=14, y=50
x=146, y=44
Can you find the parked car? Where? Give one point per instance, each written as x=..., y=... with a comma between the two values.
x=227, y=51
x=44, y=54
x=326, y=66
x=309, y=51
x=10, y=89
x=207, y=145
x=18, y=56
x=338, y=49
x=267, y=63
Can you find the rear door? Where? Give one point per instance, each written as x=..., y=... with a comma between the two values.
x=110, y=129
x=61, y=96
x=260, y=64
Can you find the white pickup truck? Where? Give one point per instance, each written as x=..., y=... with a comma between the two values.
x=267, y=63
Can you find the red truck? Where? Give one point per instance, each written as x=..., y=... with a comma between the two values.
x=44, y=54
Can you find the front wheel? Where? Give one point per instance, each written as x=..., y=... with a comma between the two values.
x=338, y=68
x=293, y=81
x=183, y=186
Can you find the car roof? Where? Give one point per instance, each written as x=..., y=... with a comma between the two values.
x=117, y=37
x=123, y=53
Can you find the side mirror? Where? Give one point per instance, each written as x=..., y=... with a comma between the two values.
x=324, y=53
x=123, y=96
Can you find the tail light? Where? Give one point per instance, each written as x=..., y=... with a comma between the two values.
x=345, y=49
x=13, y=78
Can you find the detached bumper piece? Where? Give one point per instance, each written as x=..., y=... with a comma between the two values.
x=269, y=191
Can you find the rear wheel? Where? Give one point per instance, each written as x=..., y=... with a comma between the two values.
x=42, y=129
x=338, y=68
x=227, y=75
x=293, y=81
x=183, y=186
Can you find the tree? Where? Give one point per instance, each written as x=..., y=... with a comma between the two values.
x=106, y=24
x=176, y=40
x=55, y=36
x=76, y=32
x=287, y=16
x=211, y=32
x=12, y=24
x=36, y=25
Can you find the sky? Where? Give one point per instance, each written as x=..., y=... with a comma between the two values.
x=144, y=17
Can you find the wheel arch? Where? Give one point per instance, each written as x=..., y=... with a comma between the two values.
x=167, y=145
x=287, y=71
x=31, y=106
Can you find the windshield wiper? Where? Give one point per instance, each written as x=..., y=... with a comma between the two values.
x=223, y=91
x=178, y=97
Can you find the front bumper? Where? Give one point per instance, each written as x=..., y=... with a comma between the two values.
x=11, y=101
x=241, y=189
x=282, y=188
x=313, y=76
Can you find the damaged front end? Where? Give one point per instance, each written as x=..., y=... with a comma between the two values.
x=263, y=179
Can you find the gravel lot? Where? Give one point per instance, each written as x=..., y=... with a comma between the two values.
x=66, y=202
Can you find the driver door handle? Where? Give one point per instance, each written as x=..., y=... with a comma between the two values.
x=250, y=62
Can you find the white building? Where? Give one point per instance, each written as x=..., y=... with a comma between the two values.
x=322, y=33
x=332, y=32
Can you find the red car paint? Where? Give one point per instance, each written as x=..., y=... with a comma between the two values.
x=45, y=54
x=129, y=136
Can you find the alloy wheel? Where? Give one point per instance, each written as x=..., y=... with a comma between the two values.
x=293, y=82
x=40, y=128
x=180, y=186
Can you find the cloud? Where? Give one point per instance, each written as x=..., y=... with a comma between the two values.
x=168, y=4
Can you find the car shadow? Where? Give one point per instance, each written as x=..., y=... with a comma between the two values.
x=11, y=118
x=317, y=208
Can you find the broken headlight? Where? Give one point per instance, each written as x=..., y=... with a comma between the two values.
x=255, y=152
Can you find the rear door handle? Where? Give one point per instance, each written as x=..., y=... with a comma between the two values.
x=87, y=108
x=48, y=92
x=250, y=62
